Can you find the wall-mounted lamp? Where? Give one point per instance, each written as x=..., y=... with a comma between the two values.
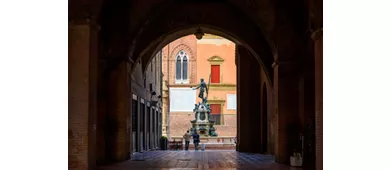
x=199, y=34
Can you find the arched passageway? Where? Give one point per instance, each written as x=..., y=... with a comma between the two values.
x=273, y=47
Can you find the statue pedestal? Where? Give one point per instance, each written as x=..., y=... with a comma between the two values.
x=202, y=123
x=212, y=143
x=202, y=128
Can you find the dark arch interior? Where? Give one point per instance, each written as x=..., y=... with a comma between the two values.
x=195, y=14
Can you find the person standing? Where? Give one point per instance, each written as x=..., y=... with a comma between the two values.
x=187, y=138
x=195, y=136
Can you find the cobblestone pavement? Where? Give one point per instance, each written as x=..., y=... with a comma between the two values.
x=199, y=160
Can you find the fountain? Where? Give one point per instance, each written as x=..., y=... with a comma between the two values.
x=202, y=122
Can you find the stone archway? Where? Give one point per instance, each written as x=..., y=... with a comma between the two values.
x=256, y=53
x=174, y=18
x=185, y=20
x=247, y=57
x=263, y=57
x=130, y=35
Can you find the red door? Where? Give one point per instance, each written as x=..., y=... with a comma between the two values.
x=216, y=108
x=215, y=71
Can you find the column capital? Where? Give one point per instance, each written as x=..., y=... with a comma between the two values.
x=84, y=20
x=315, y=35
x=276, y=63
x=287, y=68
x=287, y=62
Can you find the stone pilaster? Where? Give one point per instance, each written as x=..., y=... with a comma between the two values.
x=118, y=113
x=286, y=105
x=248, y=102
x=82, y=48
x=318, y=59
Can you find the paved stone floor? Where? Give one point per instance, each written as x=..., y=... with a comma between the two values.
x=215, y=160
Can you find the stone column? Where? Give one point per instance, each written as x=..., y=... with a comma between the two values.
x=248, y=102
x=146, y=133
x=150, y=128
x=156, y=128
x=101, y=116
x=151, y=138
x=118, y=112
x=159, y=126
x=160, y=118
x=82, y=94
x=142, y=125
x=318, y=59
x=129, y=119
x=286, y=105
x=165, y=107
x=307, y=107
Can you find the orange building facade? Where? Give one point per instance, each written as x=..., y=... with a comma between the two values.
x=184, y=62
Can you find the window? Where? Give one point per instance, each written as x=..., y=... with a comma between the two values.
x=216, y=114
x=182, y=68
x=215, y=74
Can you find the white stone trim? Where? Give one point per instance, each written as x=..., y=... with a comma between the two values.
x=228, y=102
x=182, y=99
x=182, y=81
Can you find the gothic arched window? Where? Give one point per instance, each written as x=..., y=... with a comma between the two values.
x=182, y=68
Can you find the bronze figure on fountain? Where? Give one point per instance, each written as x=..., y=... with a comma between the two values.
x=202, y=87
x=203, y=124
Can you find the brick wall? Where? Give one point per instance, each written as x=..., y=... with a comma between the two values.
x=229, y=127
x=169, y=52
x=79, y=154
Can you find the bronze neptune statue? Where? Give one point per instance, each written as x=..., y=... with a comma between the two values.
x=202, y=87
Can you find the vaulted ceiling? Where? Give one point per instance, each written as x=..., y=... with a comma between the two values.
x=136, y=29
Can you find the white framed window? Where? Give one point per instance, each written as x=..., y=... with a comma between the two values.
x=231, y=101
x=181, y=68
